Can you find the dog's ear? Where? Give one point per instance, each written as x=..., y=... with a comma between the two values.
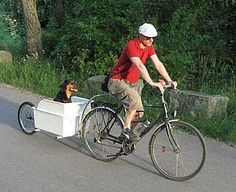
x=64, y=83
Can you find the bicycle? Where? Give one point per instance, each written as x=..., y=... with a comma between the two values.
x=177, y=149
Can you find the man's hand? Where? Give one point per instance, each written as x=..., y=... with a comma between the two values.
x=174, y=84
x=159, y=85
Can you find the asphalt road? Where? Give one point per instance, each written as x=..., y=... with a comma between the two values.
x=41, y=163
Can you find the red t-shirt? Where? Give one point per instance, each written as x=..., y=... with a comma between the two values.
x=125, y=69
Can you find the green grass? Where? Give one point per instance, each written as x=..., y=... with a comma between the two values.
x=222, y=127
x=36, y=76
x=39, y=78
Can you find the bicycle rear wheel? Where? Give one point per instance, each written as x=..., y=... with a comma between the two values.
x=182, y=161
x=26, y=118
x=100, y=131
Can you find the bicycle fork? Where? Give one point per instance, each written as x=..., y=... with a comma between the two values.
x=171, y=138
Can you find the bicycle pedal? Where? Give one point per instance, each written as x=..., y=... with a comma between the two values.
x=112, y=155
x=95, y=140
x=128, y=148
x=123, y=152
x=122, y=138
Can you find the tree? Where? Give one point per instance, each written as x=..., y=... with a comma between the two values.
x=33, y=28
x=60, y=11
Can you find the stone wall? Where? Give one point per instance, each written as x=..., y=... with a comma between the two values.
x=186, y=102
x=92, y=85
x=198, y=104
x=5, y=57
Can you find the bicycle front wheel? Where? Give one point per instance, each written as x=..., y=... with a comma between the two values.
x=26, y=118
x=100, y=131
x=179, y=152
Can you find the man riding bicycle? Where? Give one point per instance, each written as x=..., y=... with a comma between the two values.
x=126, y=72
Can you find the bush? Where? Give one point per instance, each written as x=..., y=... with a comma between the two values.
x=193, y=49
x=9, y=38
x=93, y=34
x=193, y=37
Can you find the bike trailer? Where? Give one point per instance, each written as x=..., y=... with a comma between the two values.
x=63, y=119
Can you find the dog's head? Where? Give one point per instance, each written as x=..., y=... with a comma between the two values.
x=69, y=85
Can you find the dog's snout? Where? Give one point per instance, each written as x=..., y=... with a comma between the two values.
x=74, y=90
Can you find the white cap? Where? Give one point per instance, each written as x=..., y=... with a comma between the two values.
x=147, y=30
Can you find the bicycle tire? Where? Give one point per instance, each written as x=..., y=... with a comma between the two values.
x=178, y=165
x=26, y=118
x=100, y=143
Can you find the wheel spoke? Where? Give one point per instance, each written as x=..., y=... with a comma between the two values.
x=179, y=154
x=26, y=118
x=104, y=127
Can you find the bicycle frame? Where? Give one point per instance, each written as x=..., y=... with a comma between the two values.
x=113, y=138
x=92, y=99
x=167, y=121
x=172, y=141
x=163, y=115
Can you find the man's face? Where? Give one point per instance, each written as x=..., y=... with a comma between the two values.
x=146, y=41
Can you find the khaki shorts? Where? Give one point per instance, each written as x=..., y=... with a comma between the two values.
x=127, y=93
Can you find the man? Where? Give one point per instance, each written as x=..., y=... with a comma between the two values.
x=125, y=74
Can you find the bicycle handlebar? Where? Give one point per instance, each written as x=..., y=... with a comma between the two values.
x=169, y=85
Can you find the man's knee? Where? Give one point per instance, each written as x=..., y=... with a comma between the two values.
x=136, y=104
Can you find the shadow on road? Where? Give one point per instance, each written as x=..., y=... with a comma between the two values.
x=136, y=160
x=8, y=114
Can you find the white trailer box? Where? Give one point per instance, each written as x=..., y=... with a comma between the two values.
x=63, y=119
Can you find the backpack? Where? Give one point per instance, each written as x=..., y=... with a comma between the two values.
x=104, y=86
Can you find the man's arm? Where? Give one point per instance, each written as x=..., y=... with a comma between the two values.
x=144, y=73
x=142, y=69
x=160, y=68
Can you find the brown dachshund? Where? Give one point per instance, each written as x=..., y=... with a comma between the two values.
x=67, y=87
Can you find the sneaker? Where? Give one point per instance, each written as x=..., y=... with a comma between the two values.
x=142, y=126
x=129, y=134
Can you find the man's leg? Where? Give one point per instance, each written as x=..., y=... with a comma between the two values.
x=129, y=117
x=132, y=100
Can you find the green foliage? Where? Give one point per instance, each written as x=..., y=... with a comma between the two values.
x=29, y=74
x=91, y=34
x=9, y=39
x=12, y=8
x=194, y=49
x=194, y=37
